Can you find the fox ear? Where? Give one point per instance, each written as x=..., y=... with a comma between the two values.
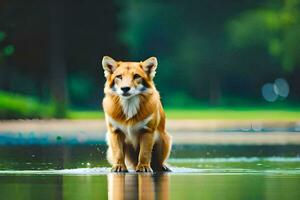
x=109, y=65
x=149, y=66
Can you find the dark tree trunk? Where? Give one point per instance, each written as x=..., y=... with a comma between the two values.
x=57, y=60
x=214, y=90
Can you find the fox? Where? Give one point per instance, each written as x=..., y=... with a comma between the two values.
x=135, y=119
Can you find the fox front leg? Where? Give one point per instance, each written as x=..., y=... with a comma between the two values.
x=117, y=150
x=146, y=146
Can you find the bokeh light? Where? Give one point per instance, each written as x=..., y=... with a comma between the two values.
x=272, y=91
x=281, y=87
x=268, y=92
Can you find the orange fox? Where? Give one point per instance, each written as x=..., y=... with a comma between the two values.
x=135, y=119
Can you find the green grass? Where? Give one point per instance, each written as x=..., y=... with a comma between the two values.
x=241, y=113
x=83, y=114
x=227, y=113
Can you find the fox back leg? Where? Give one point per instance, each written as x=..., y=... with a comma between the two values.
x=160, y=153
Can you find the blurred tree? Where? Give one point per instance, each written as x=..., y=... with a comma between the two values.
x=59, y=52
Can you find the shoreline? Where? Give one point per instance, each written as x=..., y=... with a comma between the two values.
x=237, y=132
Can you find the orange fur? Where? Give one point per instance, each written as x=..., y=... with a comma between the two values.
x=141, y=140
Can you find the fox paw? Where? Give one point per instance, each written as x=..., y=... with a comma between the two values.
x=143, y=168
x=119, y=168
x=165, y=169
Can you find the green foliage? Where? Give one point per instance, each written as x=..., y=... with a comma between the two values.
x=80, y=88
x=2, y=35
x=244, y=29
x=180, y=99
x=15, y=106
x=276, y=27
x=7, y=50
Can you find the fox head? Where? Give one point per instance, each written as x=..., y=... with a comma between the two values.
x=128, y=79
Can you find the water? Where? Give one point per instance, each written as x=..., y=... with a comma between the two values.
x=199, y=172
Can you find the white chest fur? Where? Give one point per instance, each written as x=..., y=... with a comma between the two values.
x=130, y=131
x=130, y=106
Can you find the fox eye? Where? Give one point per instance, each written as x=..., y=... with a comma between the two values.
x=119, y=77
x=136, y=76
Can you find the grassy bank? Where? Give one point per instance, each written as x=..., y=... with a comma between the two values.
x=242, y=113
x=15, y=106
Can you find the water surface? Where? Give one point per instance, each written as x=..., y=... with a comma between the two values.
x=199, y=172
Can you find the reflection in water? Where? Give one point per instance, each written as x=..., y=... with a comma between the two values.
x=138, y=186
x=31, y=187
x=211, y=186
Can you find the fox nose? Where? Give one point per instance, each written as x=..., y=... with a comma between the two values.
x=125, y=89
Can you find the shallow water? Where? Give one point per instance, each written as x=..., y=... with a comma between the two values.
x=198, y=172
x=182, y=183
